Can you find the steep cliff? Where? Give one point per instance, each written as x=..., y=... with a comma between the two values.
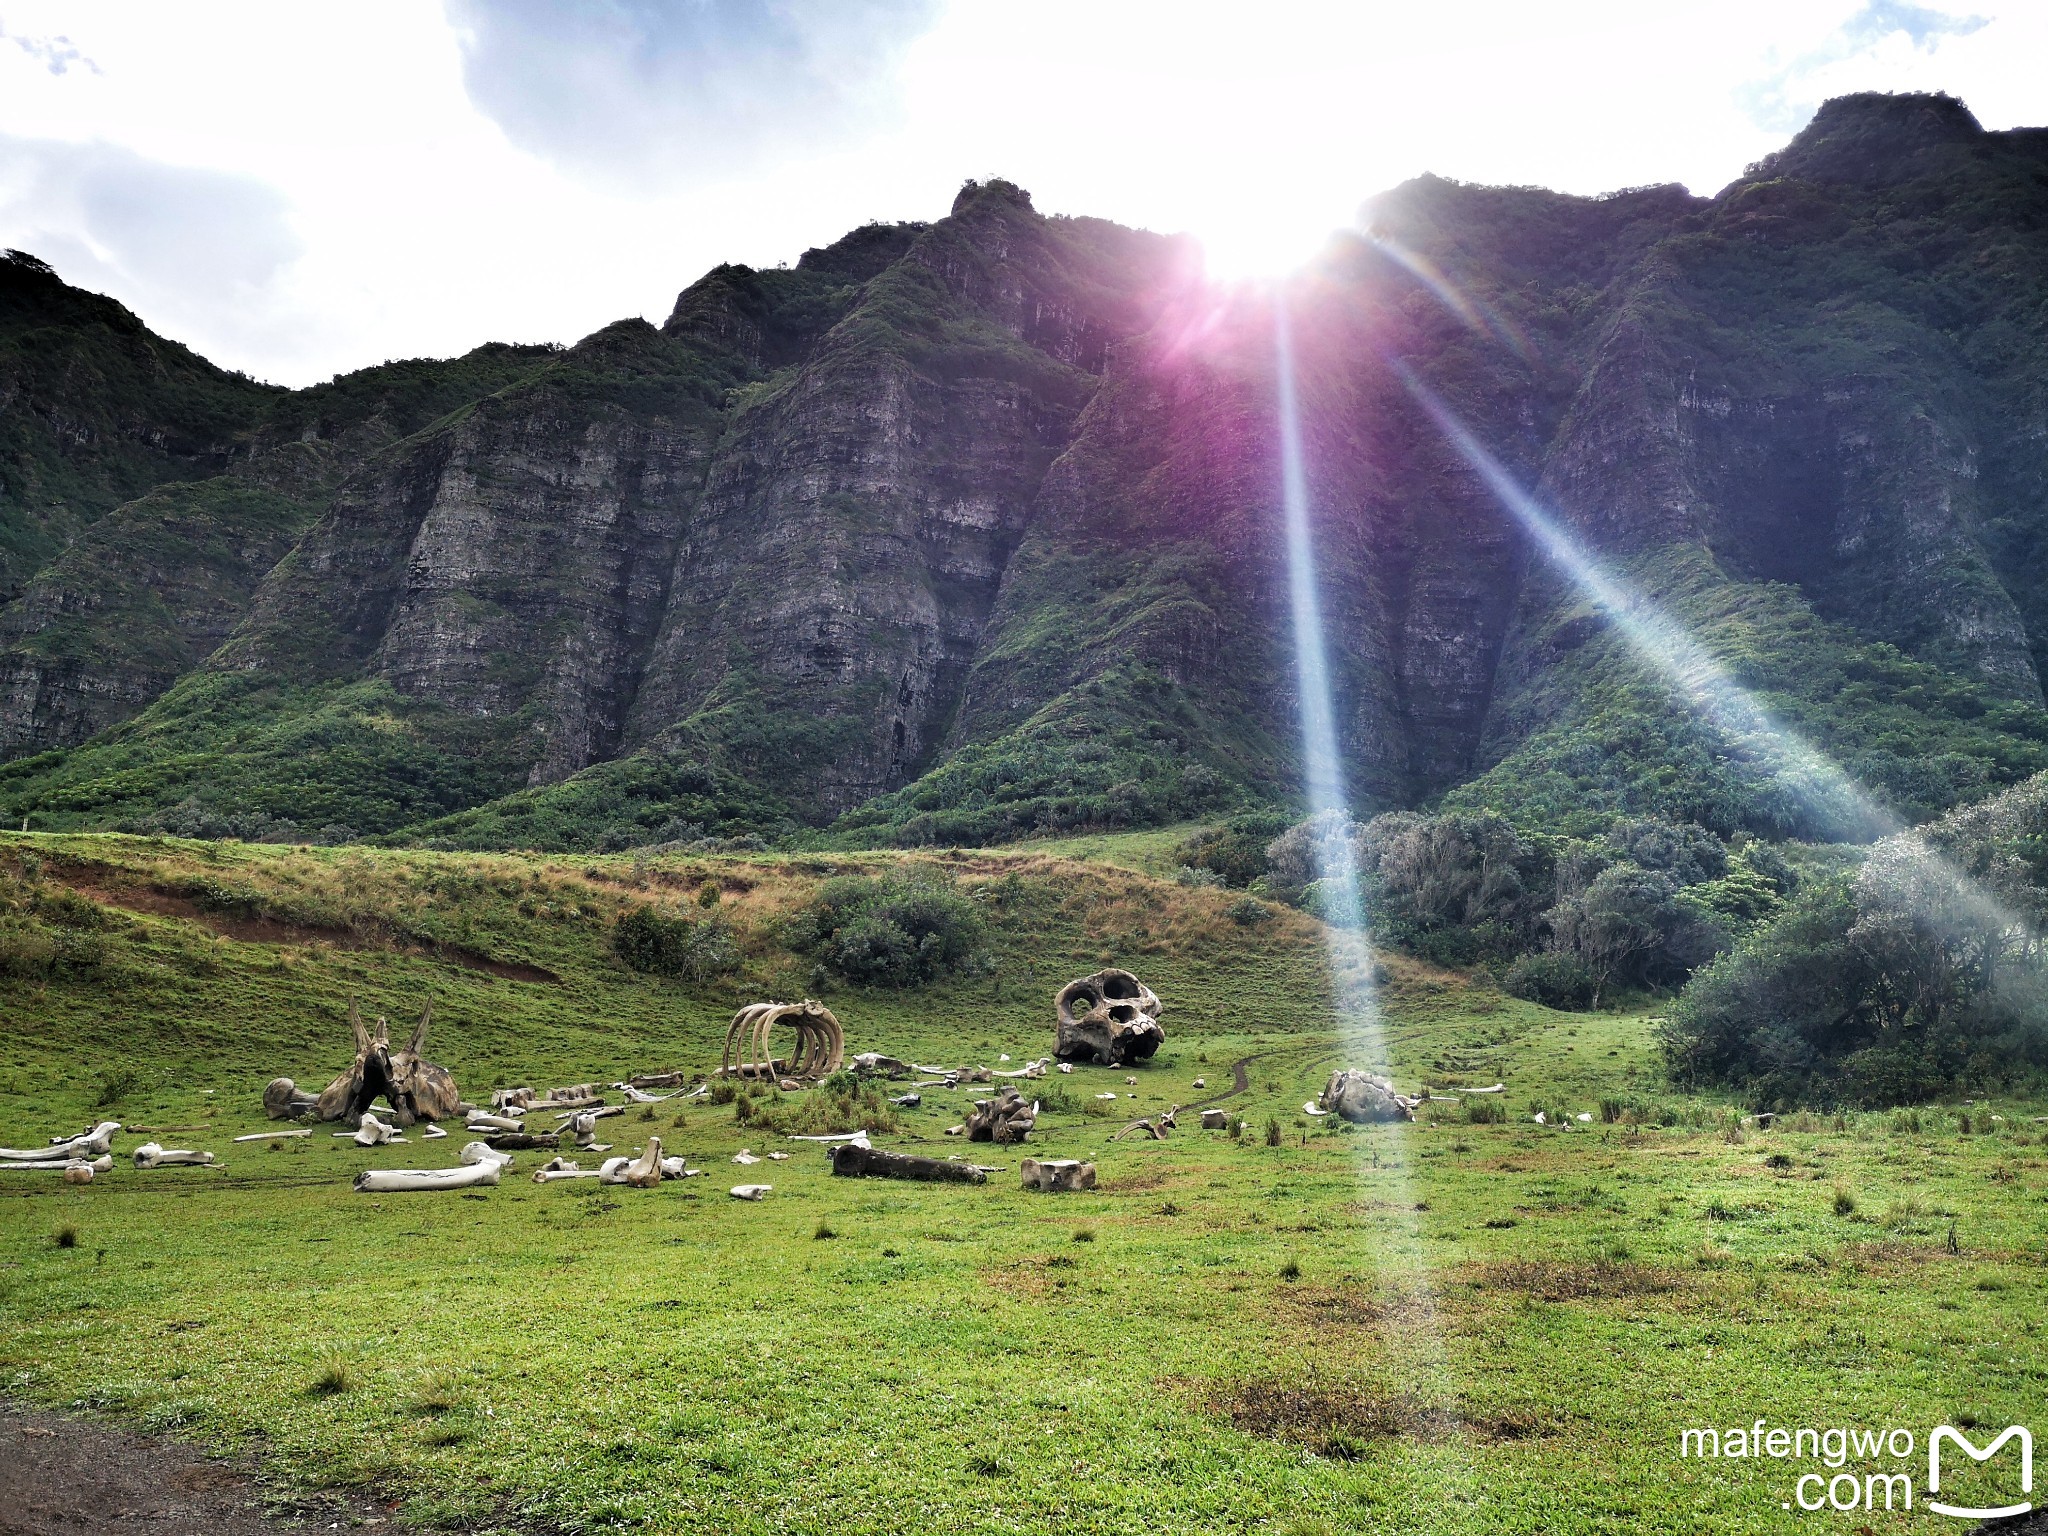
x=961, y=531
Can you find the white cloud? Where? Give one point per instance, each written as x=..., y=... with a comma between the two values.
x=390, y=181
x=651, y=94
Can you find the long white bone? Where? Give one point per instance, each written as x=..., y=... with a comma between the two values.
x=749, y=1191
x=379, y=1181
x=92, y=1144
x=104, y=1163
x=150, y=1155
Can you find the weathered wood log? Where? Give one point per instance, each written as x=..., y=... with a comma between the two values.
x=1062, y=1175
x=853, y=1161
x=150, y=1155
x=93, y=1143
x=381, y=1181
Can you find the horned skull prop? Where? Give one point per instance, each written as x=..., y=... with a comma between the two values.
x=819, y=1051
x=416, y=1088
x=1110, y=1018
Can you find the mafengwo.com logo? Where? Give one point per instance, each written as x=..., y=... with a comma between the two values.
x=1878, y=1469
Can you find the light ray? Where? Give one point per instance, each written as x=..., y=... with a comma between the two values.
x=1482, y=319
x=1674, y=652
x=1360, y=1034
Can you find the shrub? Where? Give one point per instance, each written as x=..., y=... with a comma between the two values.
x=1554, y=979
x=26, y=952
x=1249, y=912
x=652, y=942
x=1487, y=1111
x=893, y=931
x=1845, y=1201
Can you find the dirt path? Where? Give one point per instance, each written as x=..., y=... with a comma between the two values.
x=62, y=1476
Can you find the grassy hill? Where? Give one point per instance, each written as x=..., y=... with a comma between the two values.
x=1460, y=1325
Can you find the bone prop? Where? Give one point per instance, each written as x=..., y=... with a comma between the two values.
x=304, y=1130
x=375, y=1133
x=104, y=1163
x=380, y=1181
x=749, y=1191
x=91, y=1144
x=150, y=1155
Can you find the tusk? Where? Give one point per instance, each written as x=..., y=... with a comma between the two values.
x=1309, y=1108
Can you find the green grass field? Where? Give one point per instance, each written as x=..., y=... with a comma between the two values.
x=1445, y=1326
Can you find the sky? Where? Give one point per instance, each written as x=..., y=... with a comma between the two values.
x=299, y=190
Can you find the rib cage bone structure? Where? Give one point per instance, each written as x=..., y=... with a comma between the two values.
x=819, y=1050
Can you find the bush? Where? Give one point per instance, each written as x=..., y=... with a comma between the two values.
x=658, y=945
x=892, y=931
x=1553, y=979
x=1486, y=1111
x=1249, y=912
x=26, y=951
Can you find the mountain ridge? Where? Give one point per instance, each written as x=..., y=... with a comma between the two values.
x=964, y=531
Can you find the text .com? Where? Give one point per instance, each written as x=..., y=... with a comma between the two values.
x=1889, y=1488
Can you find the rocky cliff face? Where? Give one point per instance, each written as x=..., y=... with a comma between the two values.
x=965, y=530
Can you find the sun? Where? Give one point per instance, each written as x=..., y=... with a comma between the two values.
x=1260, y=239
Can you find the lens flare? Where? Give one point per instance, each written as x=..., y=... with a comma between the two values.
x=1797, y=765
x=1359, y=1033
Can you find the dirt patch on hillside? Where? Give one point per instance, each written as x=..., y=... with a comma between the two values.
x=61, y=1476
x=1342, y=1420
x=271, y=930
x=1594, y=1280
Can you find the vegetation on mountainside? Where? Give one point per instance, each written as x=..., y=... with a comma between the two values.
x=1596, y=731
x=1923, y=971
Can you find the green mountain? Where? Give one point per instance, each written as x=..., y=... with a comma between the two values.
x=967, y=531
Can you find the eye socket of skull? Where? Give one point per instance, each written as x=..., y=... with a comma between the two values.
x=1083, y=1002
x=1120, y=986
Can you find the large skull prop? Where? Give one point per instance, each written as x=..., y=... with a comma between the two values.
x=1364, y=1099
x=1110, y=1018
